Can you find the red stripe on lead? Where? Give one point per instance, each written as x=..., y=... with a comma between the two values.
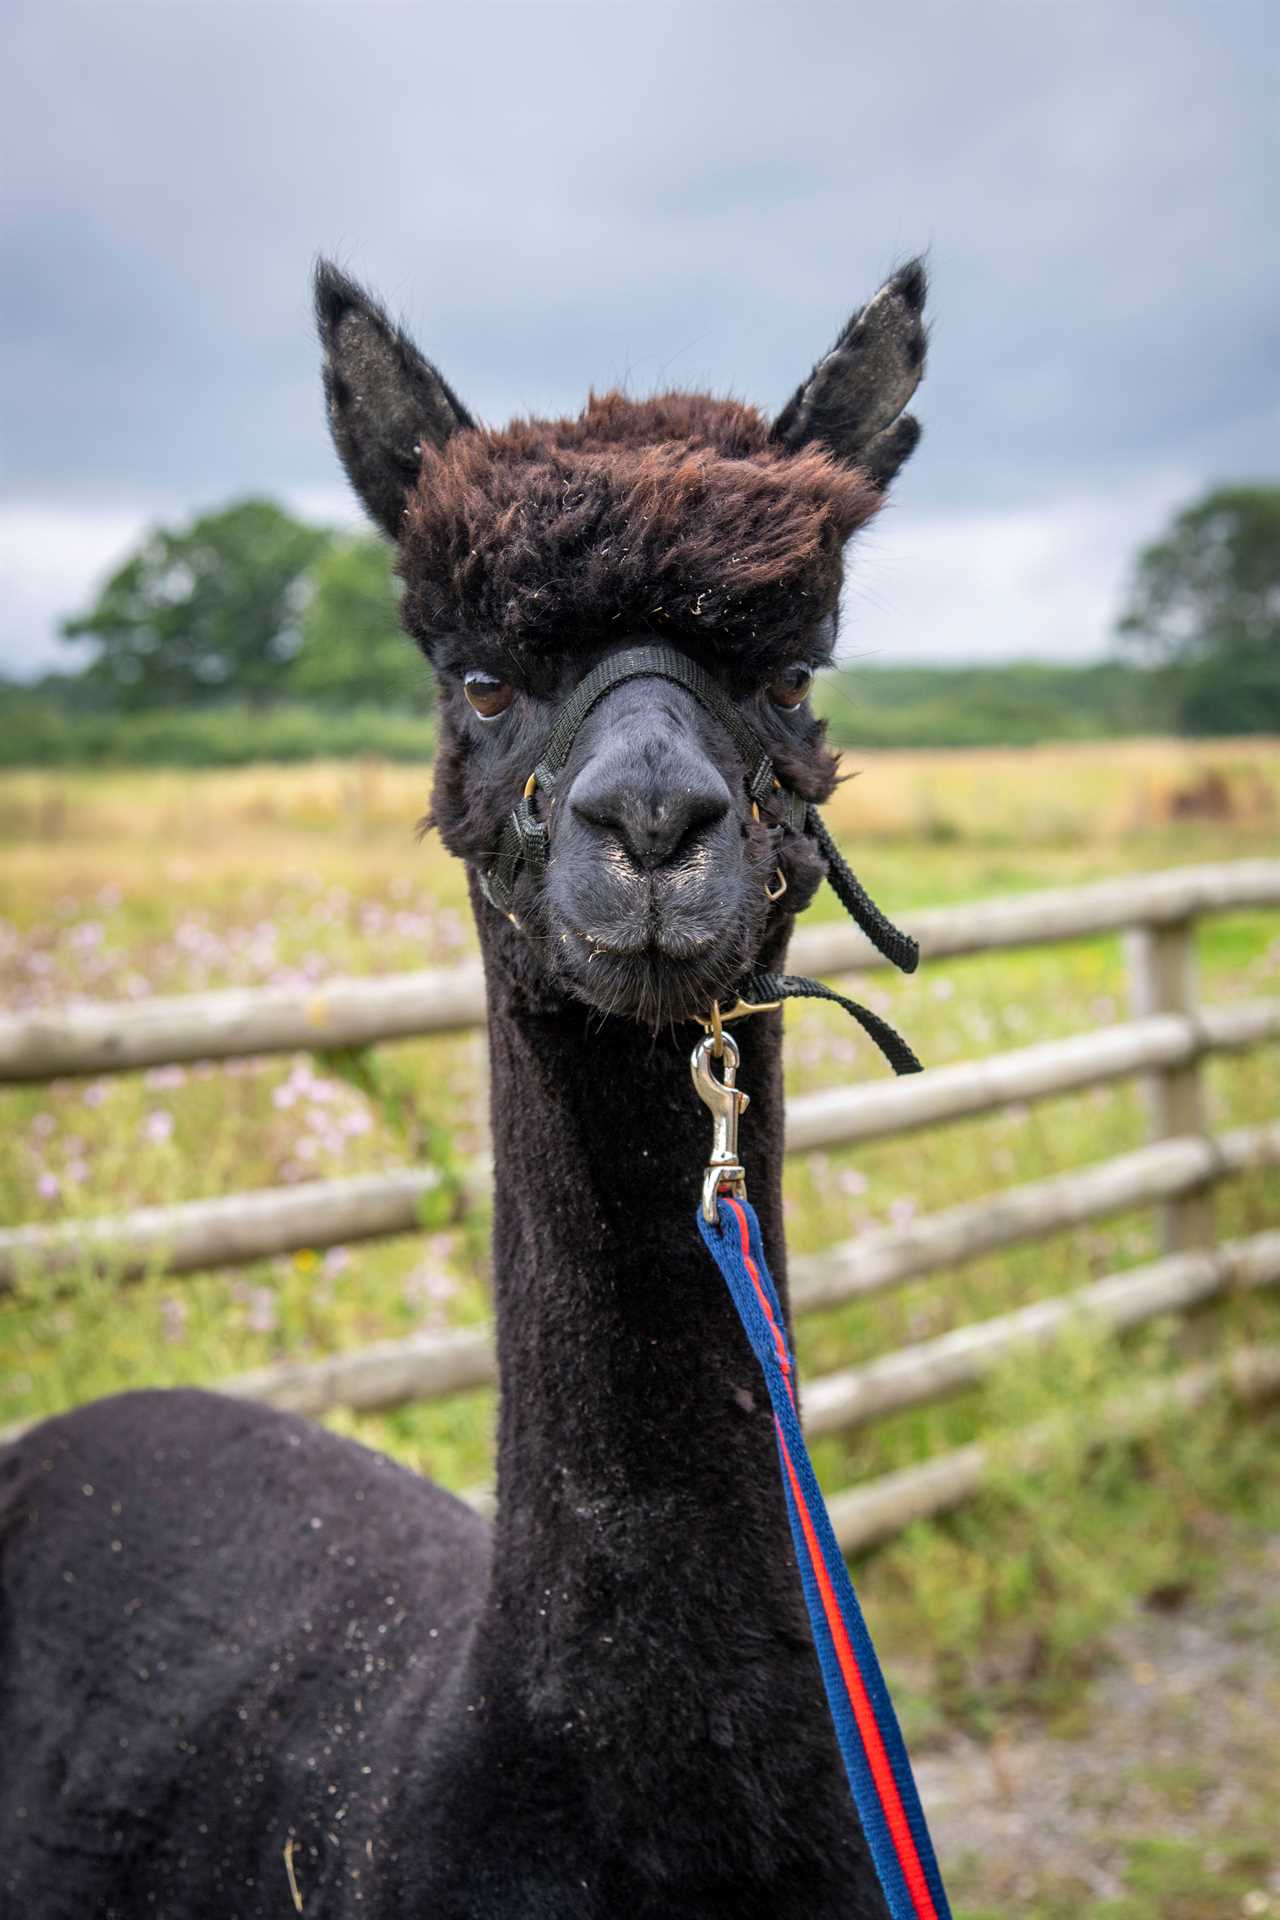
x=864, y=1713
x=779, y=1339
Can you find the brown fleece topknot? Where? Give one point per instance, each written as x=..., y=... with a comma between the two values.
x=674, y=514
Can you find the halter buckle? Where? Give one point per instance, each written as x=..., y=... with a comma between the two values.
x=738, y=1011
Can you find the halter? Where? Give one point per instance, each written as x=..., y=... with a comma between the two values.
x=524, y=840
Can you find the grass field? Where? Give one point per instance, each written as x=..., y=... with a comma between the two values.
x=123, y=885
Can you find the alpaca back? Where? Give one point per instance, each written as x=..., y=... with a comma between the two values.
x=221, y=1629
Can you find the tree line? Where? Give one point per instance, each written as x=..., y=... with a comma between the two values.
x=251, y=633
x=251, y=605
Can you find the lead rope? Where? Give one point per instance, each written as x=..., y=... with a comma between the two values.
x=866, y=1727
x=762, y=989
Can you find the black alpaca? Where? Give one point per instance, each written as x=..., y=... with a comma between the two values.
x=247, y=1668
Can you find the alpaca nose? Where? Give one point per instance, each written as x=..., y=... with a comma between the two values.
x=656, y=814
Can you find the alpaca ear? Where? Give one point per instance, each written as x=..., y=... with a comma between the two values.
x=384, y=399
x=853, y=400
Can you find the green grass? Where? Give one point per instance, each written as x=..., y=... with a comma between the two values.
x=56, y=725
x=39, y=732
x=1019, y=704
x=1212, y=1876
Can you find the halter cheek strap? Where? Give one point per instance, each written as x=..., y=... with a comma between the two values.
x=524, y=839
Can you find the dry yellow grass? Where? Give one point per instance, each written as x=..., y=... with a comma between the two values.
x=1105, y=786
x=1094, y=790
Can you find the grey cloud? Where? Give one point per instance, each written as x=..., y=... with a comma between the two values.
x=559, y=196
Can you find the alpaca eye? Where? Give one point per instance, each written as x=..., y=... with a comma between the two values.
x=489, y=696
x=791, y=685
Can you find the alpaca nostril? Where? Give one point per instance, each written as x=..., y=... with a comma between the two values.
x=654, y=824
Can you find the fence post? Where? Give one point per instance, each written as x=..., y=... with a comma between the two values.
x=1161, y=963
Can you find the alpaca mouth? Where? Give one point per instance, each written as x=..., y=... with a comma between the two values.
x=653, y=975
x=652, y=936
x=657, y=945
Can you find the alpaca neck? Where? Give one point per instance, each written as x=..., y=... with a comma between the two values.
x=630, y=1399
x=644, y=1607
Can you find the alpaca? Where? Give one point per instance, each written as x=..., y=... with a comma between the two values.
x=248, y=1668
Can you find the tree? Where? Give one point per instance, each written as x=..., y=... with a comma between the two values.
x=1205, y=609
x=352, y=647
x=204, y=612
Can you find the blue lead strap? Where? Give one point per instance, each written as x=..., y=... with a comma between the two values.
x=871, y=1744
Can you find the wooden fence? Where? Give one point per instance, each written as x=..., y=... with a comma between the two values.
x=1165, y=1042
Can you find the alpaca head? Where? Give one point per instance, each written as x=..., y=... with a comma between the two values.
x=530, y=553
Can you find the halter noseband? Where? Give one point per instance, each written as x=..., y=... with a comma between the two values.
x=524, y=839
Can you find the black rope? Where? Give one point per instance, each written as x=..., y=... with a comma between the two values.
x=763, y=986
x=896, y=946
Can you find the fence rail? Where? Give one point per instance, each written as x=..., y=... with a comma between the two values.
x=863, y=1516
x=915, y=1376
x=1177, y=1172
x=846, y=1116
x=887, y=1257
x=98, y=1038
x=232, y=1231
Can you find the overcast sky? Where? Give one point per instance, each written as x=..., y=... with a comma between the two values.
x=561, y=196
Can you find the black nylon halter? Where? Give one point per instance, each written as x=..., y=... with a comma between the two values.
x=524, y=839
